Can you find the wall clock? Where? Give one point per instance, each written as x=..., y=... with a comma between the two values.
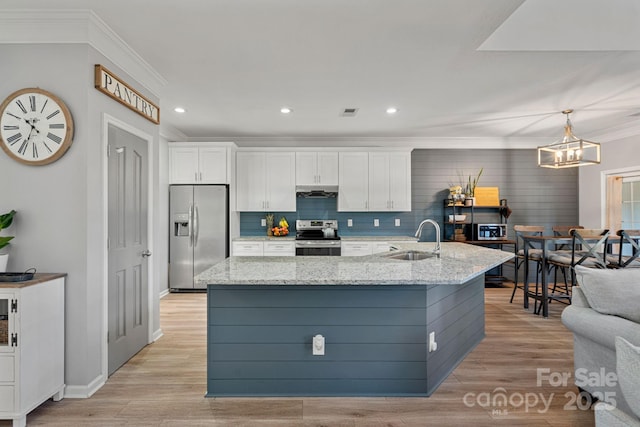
x=36, y=127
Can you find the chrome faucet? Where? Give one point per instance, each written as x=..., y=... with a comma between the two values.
x=435, y=224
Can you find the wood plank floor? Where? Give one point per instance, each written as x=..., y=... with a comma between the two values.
x=164, y=385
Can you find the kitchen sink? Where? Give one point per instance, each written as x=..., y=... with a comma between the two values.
x=411, y=255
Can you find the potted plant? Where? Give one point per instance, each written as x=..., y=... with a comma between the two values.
x=5, y=221
x=470, y=189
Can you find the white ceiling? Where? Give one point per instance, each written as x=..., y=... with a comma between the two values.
x=471, y=70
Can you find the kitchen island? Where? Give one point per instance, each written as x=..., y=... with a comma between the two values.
x=375, y=314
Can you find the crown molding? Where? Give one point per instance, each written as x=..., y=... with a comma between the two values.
x=76, y=27
x=390, y=142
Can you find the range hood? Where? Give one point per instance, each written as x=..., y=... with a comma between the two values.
x=317, y=191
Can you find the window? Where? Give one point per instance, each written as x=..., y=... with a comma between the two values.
x=631, y=203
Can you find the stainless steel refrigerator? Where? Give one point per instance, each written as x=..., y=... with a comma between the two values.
x=198, y=216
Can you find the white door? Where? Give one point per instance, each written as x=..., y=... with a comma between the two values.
x=128, y=309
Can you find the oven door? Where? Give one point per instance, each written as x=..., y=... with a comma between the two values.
x=317, y=248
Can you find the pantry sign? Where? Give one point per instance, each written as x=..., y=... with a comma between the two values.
x=109, y=84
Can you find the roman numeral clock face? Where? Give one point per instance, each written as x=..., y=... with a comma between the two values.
x=36, y=127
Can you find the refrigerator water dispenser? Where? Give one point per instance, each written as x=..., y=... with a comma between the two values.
x=181, y=225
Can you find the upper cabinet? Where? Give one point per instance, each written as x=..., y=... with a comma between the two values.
x=389, y=181
x=265, y=181
x=316, y=168
x=197, y=164
x=374, y=181
x=353, y=181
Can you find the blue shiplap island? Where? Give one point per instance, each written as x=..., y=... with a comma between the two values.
x=375, y=314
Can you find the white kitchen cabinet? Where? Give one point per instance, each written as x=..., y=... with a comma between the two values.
x=316, y=168
x=31, y=345
x=197, y=164
x=377, y=247
x=353, y=181
x=357, y=248
x=279, y=248
x=362, y=247
x=389, y=181
x=263, y=248
x=247, y=248
x=265, y=181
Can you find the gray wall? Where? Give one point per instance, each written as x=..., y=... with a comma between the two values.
x=620, y=154
x=60, y=222
x=536, y=196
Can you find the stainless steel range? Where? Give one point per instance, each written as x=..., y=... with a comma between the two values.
x=317, y=237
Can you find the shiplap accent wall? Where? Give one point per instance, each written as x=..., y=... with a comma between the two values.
x=536, y=196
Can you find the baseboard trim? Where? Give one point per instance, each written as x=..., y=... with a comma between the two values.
x=82, y=391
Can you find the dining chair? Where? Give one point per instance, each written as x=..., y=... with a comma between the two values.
x=588, y=248
x=561, y=248
x=631, y=238
x=535, y=254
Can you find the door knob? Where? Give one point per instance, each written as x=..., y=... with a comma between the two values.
x=146, y=253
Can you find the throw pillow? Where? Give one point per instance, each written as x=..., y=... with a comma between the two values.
x=615, y=292
x=628, y=368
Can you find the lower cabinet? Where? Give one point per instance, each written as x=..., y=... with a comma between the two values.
x=362, y=248
x=263, y=248
x=272, y=248
x=31, y=346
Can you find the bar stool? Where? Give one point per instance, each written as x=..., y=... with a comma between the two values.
x=534, y=253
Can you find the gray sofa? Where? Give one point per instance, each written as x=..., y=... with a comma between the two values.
x=628, y=369
x=605, y=305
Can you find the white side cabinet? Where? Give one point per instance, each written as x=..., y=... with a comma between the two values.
x=197, y=164
x=265, y=181
x=316, y=168
x=31, y=345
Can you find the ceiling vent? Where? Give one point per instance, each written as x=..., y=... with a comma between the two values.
x=349, y=112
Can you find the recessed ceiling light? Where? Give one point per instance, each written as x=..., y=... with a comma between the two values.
x=285, y=110
x=392, y=110
x=179, y=110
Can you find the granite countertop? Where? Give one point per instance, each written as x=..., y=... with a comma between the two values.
x=457, y=264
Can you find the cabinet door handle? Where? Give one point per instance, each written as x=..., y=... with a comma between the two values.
x=200, y=176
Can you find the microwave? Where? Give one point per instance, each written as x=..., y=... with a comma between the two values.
x=491, y=231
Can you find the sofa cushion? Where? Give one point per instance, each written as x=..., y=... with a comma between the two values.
x=615, y=292
x=628, y=368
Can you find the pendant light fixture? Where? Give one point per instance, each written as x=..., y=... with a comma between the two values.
x=570, y=152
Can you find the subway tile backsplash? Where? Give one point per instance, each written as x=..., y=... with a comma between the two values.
x=327, y=209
